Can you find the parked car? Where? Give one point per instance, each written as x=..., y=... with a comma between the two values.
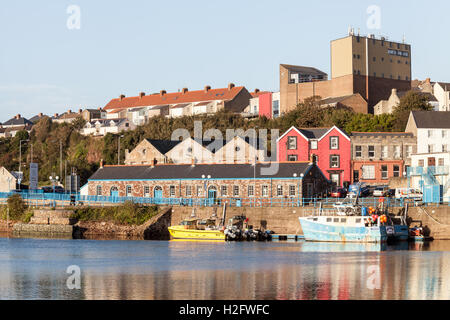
x=56, y=189
x=390, y=193
x=338, y=193
x=364, y=190
x=380, y=191
x=408, y=193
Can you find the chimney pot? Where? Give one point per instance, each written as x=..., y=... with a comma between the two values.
x=69, y=111
x=121, y=97
x=18, y=116
x=80, y=111
x=231, y=86
x=40, y=114
x=56, y=115
x=162, y=92
x=256, y=90
x=142, y=94
x=207, y=88
x=184, y=90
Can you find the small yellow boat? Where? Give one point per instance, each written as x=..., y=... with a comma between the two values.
x=195, y=229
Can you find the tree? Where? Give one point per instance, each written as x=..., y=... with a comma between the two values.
x=410, y=102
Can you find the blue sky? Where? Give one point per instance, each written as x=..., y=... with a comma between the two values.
x=125, y=47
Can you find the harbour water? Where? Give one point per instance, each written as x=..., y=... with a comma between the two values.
x=37, y=269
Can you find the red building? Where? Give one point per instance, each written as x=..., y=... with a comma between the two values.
x=330, y=148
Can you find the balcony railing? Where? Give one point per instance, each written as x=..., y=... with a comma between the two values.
x=434, y=171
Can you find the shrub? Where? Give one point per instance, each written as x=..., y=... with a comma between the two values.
x=16, y=207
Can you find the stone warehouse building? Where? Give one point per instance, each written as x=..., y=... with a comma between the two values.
x=380, y=156
x=224, y=181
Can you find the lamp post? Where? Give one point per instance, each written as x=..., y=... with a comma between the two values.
x=20, y=161
x=205, y=182
x=54, y=180
x=118, y=151
x=300, y=177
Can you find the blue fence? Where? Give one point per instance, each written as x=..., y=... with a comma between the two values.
x=55, y=199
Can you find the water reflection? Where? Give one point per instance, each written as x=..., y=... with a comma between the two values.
x=36, y=269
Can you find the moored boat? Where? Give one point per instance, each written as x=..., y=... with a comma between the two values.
x=196, y=229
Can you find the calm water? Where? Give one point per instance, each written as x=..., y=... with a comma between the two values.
x=36, y=269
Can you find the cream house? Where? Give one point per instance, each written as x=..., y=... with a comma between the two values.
x=8, y=181
x=442, y=93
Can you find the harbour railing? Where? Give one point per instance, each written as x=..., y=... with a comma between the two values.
x=62, y=200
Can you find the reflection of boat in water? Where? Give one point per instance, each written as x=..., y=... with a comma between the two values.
x=342, y=247
x=196, y=229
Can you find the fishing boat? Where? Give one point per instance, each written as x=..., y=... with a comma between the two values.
x=347, y=222
x=197, y=229
x=416, y=234
x=200, y=229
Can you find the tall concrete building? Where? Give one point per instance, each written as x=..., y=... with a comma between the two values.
x=361, y=65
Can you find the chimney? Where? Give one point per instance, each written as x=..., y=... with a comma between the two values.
x=18, y=116
x=257, y=91
x=141, y=95
x=231, y=86
x=193, y=162
x=184, y=90
x=154, y=162
x=207, y=88
x=80, y=111
x=162, y=92
x=101, y=163
x=56, y=115
x=69, y=111
x=40, y=115
x=394, y=91
x=121, y=97
x=428, y=80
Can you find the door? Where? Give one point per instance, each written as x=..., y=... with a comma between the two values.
x=114, y=192
x=432, y=162
x=355, y=176
x=158, y=194
x=212, y=195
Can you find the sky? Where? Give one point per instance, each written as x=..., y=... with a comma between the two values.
x=49, y=65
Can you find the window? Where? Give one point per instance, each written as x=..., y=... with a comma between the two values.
x=292, y=191
x=421, y=163
x=172, y=191
x=430, y=133
x=371, y=151
x=374, y=59
x=444, y=148
x=188, y=191
x=292, y=143
x=334, y=143
x=334, y=161
x=441, y=162
x=444, y=134
x=430, y=148
x=128, y=191
x=199, y=191
x=265, y=191
x=292, y=157
x=224, y=191
x=279, y=190
x=236, y=191
x=251, y=191
x=313, y=144
x=99, y=190
x=397, y=152
x=409, y=150
x=358, y=151
x=396, y=171
x=368, y=172
x=146, y=191
x=384, y=172
x=384, y=152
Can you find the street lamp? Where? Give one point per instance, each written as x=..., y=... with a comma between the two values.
x=54, y=180
x=300, y=177
x=118, y=151
x=205, y=182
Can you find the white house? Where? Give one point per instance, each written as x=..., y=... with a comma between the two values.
x=190, y=151
x=432, y=129
x=442, y=93
x=101, y=127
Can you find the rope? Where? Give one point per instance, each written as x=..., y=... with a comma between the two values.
x=442, y=224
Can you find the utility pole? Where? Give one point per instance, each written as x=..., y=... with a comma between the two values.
x=60, y=158
x=118, y=152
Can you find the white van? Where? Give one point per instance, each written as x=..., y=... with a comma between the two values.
x=408, y=193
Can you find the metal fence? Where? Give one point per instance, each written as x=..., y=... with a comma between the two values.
x=61, y=200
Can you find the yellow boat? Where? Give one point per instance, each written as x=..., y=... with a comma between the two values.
x=195, y=229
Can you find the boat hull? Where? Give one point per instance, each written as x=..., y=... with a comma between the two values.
x=188, y=234
x=322, y=232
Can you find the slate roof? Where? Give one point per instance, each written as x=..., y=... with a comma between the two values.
x=216, y=171
x=314, y=133
x=17, y=122
x=432, y=119
x=164, y=146
x=304, y=70
x=383, y=134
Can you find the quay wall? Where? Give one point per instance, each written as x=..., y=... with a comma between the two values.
x=434, y=220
